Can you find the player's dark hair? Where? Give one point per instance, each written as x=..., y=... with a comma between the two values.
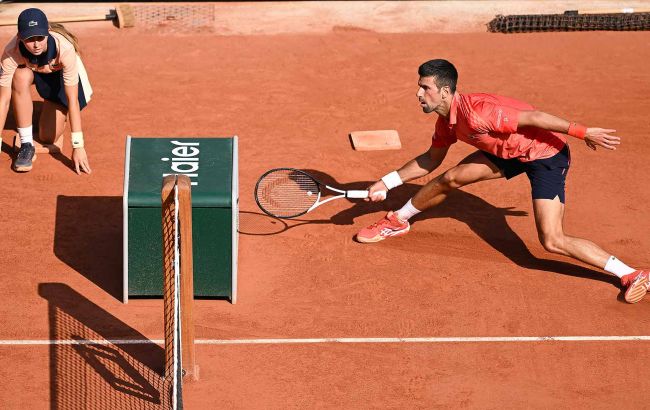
x=443, y=72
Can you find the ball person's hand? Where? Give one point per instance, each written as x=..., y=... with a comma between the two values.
x=80, y=160
x=601, y=137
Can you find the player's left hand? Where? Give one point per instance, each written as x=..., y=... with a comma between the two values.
x=80, y=160
x=600, y=137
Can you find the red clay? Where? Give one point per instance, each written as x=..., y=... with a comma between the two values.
x=472, y=267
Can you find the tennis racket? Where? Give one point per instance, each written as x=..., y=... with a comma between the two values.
x=288, y=193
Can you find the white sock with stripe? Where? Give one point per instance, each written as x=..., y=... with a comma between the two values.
x=407, y=212
x=616, y=267
x=26, y=136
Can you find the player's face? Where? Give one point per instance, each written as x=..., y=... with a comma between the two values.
x=36, y=45
x=429, y=95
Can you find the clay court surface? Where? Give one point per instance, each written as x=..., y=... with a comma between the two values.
x=472, y=267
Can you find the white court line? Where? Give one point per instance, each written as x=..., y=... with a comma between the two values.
x=487, y=339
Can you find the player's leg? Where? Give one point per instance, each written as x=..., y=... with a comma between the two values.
x=21, y=100
x=474, y=168
x=547, y=179
x=52, y=122
x=549, y=215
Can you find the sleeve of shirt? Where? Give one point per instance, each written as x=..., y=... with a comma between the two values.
x=7, y=69
x=442, y=136
x=489, y=117
x=69, y=62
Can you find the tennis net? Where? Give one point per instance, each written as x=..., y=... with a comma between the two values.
x=178, y=293
x=570, y=21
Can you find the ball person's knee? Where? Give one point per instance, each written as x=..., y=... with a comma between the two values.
x=22, y=80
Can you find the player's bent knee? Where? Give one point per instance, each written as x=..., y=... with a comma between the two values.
x=448, y=181
x=552, y=243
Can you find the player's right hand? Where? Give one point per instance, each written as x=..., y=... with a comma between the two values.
x=377, y=192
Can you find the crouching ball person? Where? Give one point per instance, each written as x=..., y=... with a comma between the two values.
x=47, y=56
x=512, y=138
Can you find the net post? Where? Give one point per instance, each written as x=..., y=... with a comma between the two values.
x=187, y=277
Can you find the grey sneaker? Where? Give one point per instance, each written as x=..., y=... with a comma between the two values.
x=23, y=162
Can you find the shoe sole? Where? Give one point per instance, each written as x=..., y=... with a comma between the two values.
x=24, y=168
x=380, y=238
x=637, y=290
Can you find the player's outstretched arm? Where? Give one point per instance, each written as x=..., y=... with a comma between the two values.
x=593, y=137
x=418, y=167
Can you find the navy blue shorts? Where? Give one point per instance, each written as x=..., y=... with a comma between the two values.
x=50, y=87
x=547, y=176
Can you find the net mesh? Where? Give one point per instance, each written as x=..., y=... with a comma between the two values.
x=286, y=192
x=569, y=21
x=175, y=17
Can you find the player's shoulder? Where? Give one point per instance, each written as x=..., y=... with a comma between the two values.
x=472, y=104
x=478, y=96
x=477, y=99
x=486, y=102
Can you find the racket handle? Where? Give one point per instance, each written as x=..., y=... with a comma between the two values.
x=356, y=194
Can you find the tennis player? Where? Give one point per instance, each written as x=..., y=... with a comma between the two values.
x=512, y=138
x=46, y=55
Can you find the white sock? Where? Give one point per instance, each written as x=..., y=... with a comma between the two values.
x=26, y=135
x=407, y=212
x=617, y=267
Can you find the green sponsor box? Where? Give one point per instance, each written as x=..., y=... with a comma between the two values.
x=211, y=164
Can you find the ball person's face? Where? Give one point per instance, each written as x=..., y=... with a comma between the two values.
x=429, y=95
x=36, y=44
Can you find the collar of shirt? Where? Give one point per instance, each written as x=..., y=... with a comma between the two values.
x=452, y=110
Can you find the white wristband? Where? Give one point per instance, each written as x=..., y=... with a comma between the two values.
x=77, y=139
x=392, y=180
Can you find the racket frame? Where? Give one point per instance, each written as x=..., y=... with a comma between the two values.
x=355, y=194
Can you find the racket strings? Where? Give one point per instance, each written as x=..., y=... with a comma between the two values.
x=286, y=193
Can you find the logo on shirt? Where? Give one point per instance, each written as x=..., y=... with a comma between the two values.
x=33, y=23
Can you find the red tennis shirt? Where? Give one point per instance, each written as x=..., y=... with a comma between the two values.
x=489, y=122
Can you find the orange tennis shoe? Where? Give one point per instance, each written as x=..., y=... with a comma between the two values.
x=386, y=227
x=638, y=284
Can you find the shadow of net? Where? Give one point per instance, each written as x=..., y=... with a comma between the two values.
x=98, y=361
